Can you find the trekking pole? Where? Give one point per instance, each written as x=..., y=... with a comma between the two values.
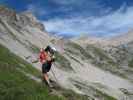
x=54, y=75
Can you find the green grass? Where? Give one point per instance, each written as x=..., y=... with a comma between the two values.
x=95, y=92
x=16, y=86
x=73, y=96
x=73, y=47
x=12, y=60
x=32, y=47
x=85, y=55
x=105, y=62
x=101, y=54
x=105, y=96
x=130, y=63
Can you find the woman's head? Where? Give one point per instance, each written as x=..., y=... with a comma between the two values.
x=47, y=49
x=50, y=49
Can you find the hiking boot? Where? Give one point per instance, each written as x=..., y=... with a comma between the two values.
x=45, y=82
x=50, y=85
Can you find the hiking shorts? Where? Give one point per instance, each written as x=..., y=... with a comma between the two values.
x=46, y=67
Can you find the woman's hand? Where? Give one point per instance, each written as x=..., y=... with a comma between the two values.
x=43, y=61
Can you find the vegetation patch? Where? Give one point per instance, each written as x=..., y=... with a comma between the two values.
x=34, y=48
x=99, y=53
x=82, y=51
x=130, y=63
x=16, y=86
x=74, y=59
x=64, y=63
x=95, y=92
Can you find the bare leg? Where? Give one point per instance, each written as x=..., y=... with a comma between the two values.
x=46, y=78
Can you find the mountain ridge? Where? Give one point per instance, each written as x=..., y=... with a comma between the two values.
x=81, y=62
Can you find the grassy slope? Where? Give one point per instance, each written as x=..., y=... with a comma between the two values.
x=14, y=85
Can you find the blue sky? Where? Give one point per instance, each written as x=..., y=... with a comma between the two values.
x=102, y=18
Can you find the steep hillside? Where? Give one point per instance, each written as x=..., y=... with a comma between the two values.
x=14, y=85
x=89, y=67
x=17, y=82
x=22, y=33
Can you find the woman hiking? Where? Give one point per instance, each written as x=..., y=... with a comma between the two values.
x=46, y=58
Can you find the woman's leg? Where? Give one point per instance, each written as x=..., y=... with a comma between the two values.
x=44, y=73
x=45, y=69
x=46, y=78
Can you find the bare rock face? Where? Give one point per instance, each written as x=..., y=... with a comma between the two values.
x=20, y=29
x=20, y=20
x=122, y=39
x=28, y=18
x=7, y=14
x=83, y=65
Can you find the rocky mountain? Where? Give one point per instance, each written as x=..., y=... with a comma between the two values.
x=89, y=66
x=122, y=39
x=22, y=33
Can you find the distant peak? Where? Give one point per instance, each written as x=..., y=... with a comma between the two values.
x=7, y=13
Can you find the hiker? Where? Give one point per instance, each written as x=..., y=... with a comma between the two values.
x=46, y=57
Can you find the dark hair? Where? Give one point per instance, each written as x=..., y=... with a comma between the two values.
x=49, y=49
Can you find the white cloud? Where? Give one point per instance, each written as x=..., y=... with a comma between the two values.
x=68, y=8
x=92, y=3
x=36, y=9
x=83, y=5
x=64, y=2
x=112, y=24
